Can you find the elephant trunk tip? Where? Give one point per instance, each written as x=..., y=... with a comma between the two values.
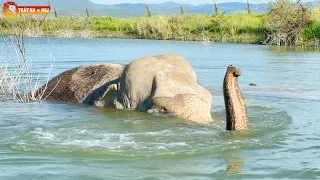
x=233, y=70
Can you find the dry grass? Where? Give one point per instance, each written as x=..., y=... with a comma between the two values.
x=18, y=81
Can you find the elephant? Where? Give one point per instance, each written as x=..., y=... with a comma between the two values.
x=165, y=83
x=84, y=84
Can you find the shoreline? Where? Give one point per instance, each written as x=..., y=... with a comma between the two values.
x=177, y=40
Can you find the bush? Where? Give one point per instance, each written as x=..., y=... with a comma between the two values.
x=312, y=31
x=286, y=21
x=316, y=15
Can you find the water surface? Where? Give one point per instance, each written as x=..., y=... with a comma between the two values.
x=66, y=141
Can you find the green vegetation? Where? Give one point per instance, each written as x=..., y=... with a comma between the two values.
x=315, y=16
x=285, y=24
x=234, y=28
x=286, y=21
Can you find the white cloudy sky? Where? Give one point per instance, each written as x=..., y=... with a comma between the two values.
x=195, y=2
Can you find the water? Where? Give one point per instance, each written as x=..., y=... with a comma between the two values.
x=66, y=141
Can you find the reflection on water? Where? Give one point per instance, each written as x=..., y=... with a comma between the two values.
x=234, y=166
x=294, y=49
x=44, y=140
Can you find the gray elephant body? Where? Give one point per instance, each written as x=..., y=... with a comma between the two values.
x=166, y=83
x=86, y=84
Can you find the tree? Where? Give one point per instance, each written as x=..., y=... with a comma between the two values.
x=285, y=22
x=55, y=13
x=182, y=10
x=248, y=7
x=216, y=9
x=87, y=11
x=148, y=10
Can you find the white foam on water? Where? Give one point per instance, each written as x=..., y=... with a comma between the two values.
x=110, y=141
x=156, y=112
x=83, y=131
x=89, y=138
x=177, y=144
x=162, y=147
x=204, y=132
x=151, y=133
x=133, y=121
x=40, y=134
x=157, y=133
x=186, y=139
x=170, y=145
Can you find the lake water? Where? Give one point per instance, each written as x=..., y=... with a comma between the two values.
x=68, y=141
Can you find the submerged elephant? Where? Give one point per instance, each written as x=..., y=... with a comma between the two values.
x=166, y=83
x=84, y=84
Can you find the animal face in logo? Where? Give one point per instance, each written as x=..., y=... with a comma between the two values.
x=9, y=9
x=12, y=9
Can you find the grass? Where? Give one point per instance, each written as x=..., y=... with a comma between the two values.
x=311, y=34
x=235, y=28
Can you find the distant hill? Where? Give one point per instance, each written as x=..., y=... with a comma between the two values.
x=174, y=8
x=228, y=7
x=163, y=6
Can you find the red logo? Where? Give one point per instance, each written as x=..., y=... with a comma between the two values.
x=11, y=9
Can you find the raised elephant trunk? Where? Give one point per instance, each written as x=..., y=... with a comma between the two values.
x=236, y=111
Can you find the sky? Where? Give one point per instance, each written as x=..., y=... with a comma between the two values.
x=194, y=2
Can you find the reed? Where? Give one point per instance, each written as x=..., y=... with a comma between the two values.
x=18, y=80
